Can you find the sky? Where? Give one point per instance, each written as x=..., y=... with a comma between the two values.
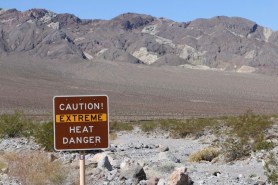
x=263, y=12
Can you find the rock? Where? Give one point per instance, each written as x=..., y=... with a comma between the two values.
x=112, y=174
x=152, y=181
x=216, y=173
x=5, y=170
x=161, y=182
x=52, y=157
x=167, y=156
x=133, y=171
x=261, y=183
x=115, y=163
x=125, y=163
x=142, y=182
x=200, y=182
x=163, y=148
x=179, y=177
x=100, y=156
x=104, y=164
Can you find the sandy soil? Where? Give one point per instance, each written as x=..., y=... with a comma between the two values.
x=135, y=91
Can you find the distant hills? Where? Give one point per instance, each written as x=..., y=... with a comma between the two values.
x=219, y=43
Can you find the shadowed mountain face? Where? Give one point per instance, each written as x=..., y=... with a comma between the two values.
x=233, y=44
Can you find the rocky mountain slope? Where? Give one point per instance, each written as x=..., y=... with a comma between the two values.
x=225, y=43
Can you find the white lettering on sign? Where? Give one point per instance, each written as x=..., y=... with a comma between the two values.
x=78, y=130
x=81, y=106
x=80, y=140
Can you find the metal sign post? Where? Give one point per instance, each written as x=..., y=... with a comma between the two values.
x=82, y=167
x=81, y=123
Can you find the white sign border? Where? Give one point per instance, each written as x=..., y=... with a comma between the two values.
x=108, y=120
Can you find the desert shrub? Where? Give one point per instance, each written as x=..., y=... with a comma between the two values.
x=271, y=169
x=148, y=126
x=249, y=125
x=205, y=154
x=262, y=144
x=246, y=135
x=120, y=126
x=44, y=135
x=234, y=149
x=192, y=127
x=35, y=169
x=16, y=125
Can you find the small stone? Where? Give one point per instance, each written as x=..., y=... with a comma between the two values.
x=163, y=148
x=168, y=156
x=52, y=157
x=216, y=173
x=5, y=170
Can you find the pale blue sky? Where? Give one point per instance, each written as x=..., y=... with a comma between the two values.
x=264, y=12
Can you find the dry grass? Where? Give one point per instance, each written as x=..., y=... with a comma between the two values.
x=120, y=126
x=113, y=136
x=205, y=154
x=35, y=169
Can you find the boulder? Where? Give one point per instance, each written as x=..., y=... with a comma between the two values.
x=179, y=177
x=132, y=171
x=104, y=164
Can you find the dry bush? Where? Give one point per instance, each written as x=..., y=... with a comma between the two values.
x=113, y=136
x=205, y=154
x=35, y=169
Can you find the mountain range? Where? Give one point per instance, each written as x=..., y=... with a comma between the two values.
x=149, y=67
x=220, y=43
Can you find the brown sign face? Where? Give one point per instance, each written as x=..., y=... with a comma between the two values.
x=81, y=122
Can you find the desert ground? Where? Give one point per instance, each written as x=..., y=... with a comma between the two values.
x=135, y=91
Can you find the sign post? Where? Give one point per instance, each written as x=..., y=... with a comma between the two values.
x=82, y=167
x=81, y=123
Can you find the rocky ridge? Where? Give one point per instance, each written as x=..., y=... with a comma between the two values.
x=223, y=43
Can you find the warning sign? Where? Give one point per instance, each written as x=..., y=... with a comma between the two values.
x=81, y=122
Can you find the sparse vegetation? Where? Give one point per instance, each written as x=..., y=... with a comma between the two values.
x=246, y=135
x=120, y=126
x=35, y=169
x=15, y=125
x=149, y=126
x=205, y=154
x=242, y=134
x=234, y=149
x=271, y=169
x=249, y=125
x=179, y=128
x=262, y=144
x=44, y=135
